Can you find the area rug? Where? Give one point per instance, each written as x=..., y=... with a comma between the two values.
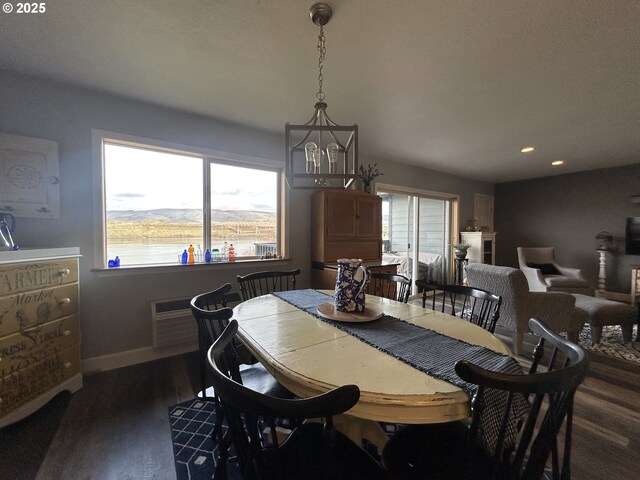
x=194, y=451
x=611, y=343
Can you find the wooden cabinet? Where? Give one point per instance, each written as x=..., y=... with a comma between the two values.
x=483, y=246
x=39, y=329
x=346, y=224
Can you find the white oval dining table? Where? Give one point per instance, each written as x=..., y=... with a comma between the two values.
x=309, y=356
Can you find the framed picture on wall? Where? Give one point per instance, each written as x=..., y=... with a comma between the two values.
x=29, y=177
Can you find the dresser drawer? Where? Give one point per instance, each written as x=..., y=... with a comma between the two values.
x=22, y=277
x=24, y=311
x=23, y=349
x=26, y=384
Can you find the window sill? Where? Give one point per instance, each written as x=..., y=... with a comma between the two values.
x=165, y=268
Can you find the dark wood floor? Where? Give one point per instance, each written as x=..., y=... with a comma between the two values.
x=116, y=427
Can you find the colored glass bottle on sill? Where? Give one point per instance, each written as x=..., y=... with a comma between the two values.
x=185, y=257
x=232, y=253
x=207, y=256
x=198, y=254
x=191, y=258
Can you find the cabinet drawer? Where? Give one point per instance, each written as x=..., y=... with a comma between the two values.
x=23, y=349
x=21, y=277
x=369, y=250
x=24, y=311
x=24, y=385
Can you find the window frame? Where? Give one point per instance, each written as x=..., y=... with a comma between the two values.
x=208, y=156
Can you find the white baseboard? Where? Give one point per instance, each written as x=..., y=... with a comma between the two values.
x=132, y=357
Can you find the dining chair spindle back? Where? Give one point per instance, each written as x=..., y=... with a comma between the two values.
x=474, y=304
x=261, y=283
x=391, y=285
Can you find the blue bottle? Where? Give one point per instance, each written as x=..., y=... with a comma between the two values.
x=116, y=262
x=207, y=256
x=185, y=257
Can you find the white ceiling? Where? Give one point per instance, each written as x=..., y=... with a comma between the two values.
x=457, y=86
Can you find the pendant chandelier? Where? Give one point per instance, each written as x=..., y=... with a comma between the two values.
x=321, y=153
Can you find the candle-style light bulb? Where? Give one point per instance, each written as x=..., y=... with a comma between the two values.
x=310, y=150
x=332, y=154
x=317, y=159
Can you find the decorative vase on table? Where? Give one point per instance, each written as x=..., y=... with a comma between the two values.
x=351, y=281
x=461, y=254
x=367, y=188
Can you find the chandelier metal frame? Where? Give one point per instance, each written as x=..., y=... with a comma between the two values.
x=320, y=153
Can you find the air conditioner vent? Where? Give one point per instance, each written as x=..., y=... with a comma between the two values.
x=172, y=305
x=173, y=324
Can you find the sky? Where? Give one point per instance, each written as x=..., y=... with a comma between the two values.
x=138, y=179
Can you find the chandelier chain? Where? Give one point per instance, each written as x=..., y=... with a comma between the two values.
x=321, y=50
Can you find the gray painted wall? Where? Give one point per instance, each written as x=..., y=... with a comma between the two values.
x=115, y=310
x=567, y=212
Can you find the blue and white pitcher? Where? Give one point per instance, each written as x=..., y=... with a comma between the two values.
x=351, y=281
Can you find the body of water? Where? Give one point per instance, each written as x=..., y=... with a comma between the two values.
x=169, y=251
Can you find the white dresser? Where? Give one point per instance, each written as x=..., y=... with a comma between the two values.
x=483, y=246
x=39, y=329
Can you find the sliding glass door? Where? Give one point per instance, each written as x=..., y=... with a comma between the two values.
x=415, y=234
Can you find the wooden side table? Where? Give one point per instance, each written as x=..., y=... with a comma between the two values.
x=459, y=273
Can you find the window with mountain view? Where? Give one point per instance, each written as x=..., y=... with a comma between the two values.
x=155, y=204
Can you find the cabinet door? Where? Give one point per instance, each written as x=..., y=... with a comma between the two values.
x=369, y=217
x=340, y=211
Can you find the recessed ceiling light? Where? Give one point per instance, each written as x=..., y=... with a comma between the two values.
x=527, y=149
x=557, y=162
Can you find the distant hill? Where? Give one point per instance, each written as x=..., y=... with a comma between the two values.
x=188, y=215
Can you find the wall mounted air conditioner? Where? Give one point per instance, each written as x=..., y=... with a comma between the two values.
x=172, y=322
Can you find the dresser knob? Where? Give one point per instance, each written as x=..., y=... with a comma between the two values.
x=66, y=333
x=64, y=301
x=64, y=272
x=67, y=365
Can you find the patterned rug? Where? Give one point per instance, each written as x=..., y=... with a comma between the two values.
x=195, y=453
x=193, y=449
x=611, y=343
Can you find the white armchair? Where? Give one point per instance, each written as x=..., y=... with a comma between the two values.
x=544, y=274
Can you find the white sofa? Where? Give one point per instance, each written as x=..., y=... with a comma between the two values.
x=429, y=265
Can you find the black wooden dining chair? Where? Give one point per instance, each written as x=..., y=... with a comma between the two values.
x=474, y=304
x=390, y=285
x=426, y=288
x=520, y=448
x=311, y=451
x=261, y=283
x=212, y=316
